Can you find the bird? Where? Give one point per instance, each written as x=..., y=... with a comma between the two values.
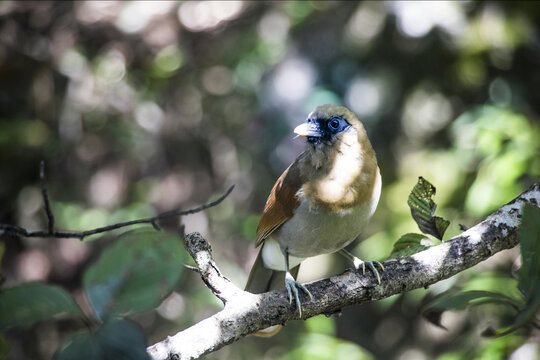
x=319, y=205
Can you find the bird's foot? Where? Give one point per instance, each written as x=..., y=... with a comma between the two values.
x=370, y=265
x=362, y=264
x=292, y=288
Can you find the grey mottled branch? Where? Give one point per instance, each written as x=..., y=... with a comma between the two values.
x=246, y=313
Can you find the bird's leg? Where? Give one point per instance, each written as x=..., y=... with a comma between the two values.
x=359, y=263
x=291, y=284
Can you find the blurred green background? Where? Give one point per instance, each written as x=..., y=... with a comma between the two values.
x=140, y=107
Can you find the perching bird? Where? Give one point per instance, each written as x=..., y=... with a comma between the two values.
x=320, y=203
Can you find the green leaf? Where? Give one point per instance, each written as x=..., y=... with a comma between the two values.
x=494, y=281
x=27, y=304
x=135, y=273
x=433, y=310
x=116, y=340
x=529, y=240
x=410, y=244
x=423, y=209
x=4, y=347
x=522, y=319
x=529, y=273
x=2, y=251
x=462, y=300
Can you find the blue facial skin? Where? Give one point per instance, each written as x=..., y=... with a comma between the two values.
x=326, y=128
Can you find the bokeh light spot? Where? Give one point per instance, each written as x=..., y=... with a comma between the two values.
x=206, y=15
x=73, y=63
x=33, y=265
x=149, y=116
x=274, y=27
x=363, y=96
x=36, y=133
x=167, y=61
x=417, y=18
x=136, y=15
x=172, y=307
x=500, y=92
x=293, y=80
x=217, y=80
x=106, y=187
x=366, y=23
x=426, y=112
x=111, y=68
x=29, y=201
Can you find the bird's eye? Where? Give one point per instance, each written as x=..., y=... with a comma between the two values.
x=333, y=124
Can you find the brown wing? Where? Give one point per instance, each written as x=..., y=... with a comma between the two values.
x=281, y=203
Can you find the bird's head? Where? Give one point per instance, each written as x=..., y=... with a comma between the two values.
x=329, y=124
x=340, y=166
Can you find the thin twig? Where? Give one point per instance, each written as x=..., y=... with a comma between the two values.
x=48, y=211
x=192, y=268
x=17, y=230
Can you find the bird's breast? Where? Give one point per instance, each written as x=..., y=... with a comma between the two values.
x=314, y=230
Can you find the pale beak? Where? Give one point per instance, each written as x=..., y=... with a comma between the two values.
x=309, y=128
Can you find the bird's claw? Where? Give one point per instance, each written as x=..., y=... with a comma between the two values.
x=292, y=286
x=360, y=263
x=371, y=267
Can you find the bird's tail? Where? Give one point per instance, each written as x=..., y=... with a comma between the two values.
x=260, y=280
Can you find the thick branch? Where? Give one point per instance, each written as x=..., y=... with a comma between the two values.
x=248, y=313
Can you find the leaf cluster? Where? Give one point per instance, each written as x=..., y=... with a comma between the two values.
x=132, y=276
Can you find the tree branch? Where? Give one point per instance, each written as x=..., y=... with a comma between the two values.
x=48, y=211
x=201, y=252
x=246, y=313
x=9, y=229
